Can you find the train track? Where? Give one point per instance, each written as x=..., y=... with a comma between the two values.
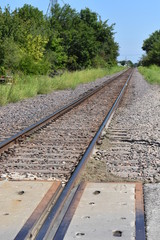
x=58, y=143
x=57, y=147
x=18, y=117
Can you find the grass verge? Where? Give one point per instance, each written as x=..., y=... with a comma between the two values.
x=29, y=86
x=151, y=74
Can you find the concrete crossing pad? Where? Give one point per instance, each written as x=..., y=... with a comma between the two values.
x=22, y=201
x=102, y=211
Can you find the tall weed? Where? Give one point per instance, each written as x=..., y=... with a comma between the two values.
x=151, y=74
x=28, y=86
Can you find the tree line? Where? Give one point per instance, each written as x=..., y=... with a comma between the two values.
x=152, y=48
x=34, y=43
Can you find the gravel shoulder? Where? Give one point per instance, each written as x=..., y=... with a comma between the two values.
x=129, y=148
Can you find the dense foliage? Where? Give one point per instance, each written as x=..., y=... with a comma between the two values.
x=34, y=43
x=152, y=47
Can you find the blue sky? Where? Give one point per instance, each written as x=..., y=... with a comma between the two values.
x=135, y=20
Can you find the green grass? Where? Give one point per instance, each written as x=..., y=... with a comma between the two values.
x=151, y=74
x=29, y=86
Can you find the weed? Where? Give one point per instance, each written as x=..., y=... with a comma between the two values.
x=28, y=86
x=151, y=74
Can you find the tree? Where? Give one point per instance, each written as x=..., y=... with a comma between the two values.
x=56, y=54
x=66, y=39
x=10, y=54
x=107, y=48
x=152, y=47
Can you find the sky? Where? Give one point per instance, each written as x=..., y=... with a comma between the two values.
x=134, y=20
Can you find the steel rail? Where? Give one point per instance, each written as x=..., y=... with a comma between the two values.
x=140, y=222
x=4, y=145
x=57, y=208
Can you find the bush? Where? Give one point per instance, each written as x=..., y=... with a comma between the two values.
x=98, y=62
x=29, y=66
x=10, y=54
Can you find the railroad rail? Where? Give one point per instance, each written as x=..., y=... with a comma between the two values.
x=6, y=143
x=49, y=151
x=52, y=158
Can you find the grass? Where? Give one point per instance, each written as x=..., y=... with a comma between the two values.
x=151, y=74
x=29, y=86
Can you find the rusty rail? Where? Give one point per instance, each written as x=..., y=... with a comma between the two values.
x=57, y=208
x=4, y=145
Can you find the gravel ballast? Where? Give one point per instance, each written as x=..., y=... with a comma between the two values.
x=54, y=151
x=129, y=148
x=16, y=116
